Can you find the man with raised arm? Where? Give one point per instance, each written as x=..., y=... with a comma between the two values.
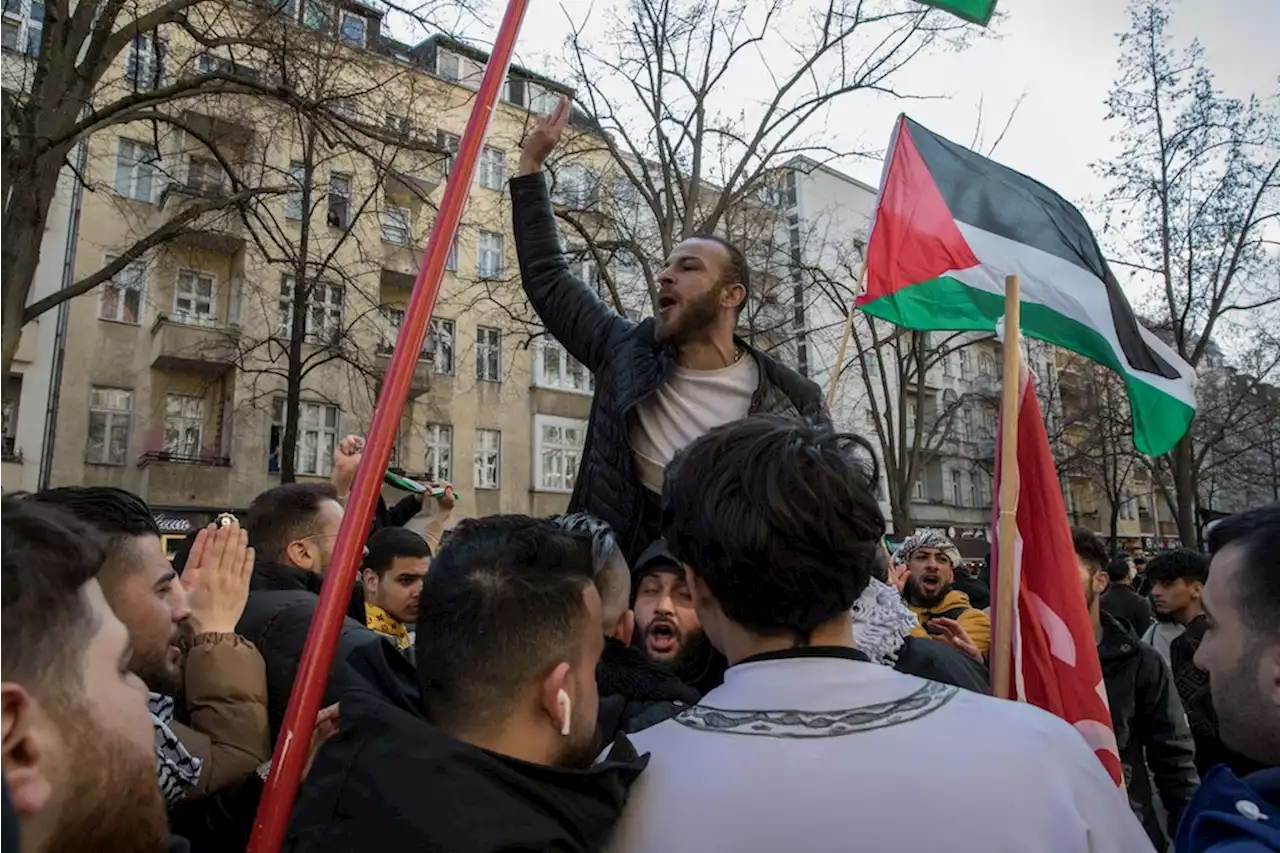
x=661, y=382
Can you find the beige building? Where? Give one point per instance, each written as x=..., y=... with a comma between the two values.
x=176, y=370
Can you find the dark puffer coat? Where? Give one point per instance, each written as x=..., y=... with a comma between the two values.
x=628, y=363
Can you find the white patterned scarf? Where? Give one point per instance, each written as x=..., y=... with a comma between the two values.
x=881, y=622
x=177, y=770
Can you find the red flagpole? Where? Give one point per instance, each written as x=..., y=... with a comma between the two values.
x=313, y=671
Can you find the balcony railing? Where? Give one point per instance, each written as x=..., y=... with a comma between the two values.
x=204, y=460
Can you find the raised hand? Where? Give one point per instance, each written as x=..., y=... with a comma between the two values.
x=950, y=632
x=544, y=137
x=346, y=461
x=217, y=578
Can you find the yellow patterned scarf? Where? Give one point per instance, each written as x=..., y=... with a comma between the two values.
x=384, y=623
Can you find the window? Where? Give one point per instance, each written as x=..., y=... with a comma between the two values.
x=317, y=437
x=136, y=170
x=399, y=125
x=955, y=489
x=109, y=412
x=440, y=343
x=293, y=201
x=973, y=490
x=183, y=425
x=947, y=369
x=395, y=224
x=451, y=262
x=438, y=464
x=317, y=16
x=203, y=173
x=576, y=186
x=121, y=298
x=554, y=368
x=488, y=458
x=917, y=491
x=456, y=68
x=193, y=299
x=987, y=365
x=323, y=315
x=966, y=366
x=788, y=194
x=448, y=142
x=489, y=354
x=339, y=200
x=558, y=444
x=966, y=423
x=493, y=168
x=352, y=30
x=144, y=65
x=392, y=321
x=345, y=108
x=542, y=100
x=23, y=26
x=489, y=255
x=870, y=364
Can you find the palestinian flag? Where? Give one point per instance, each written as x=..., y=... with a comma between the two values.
x=974, y=11
x=950, y=225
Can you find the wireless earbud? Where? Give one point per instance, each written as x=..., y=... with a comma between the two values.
x=566, y=708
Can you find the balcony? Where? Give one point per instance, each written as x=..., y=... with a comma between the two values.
x=984, y=449
x=218, y=230
x=986, y=385
x=188, y=348
x=172, y=478
x=423, y=371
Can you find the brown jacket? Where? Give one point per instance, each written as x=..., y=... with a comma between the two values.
x=226, y=710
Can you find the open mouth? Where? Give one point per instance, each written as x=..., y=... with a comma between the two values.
x=662, y=637
x=665, y=303
x=174, y=655
x=930, y=582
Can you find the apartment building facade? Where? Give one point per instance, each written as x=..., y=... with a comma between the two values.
x=178, y=367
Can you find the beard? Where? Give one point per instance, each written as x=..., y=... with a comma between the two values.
x=113, y=802
x=694, y=318
x=158, y=669
x=694, y=658
x=917, y=597
x=579, y=750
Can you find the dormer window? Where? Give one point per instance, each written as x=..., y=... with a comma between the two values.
x=352, y=31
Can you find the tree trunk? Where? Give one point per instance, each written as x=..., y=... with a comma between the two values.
x=1114, y=529
x=1184, y=488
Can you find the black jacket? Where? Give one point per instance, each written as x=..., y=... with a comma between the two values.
x=1122, y=602
x=1193, y=687
x=628, y=363
x=391, y=781
x=276, y=619
x=1149, y=722
x=927, y=658
x=635, y=692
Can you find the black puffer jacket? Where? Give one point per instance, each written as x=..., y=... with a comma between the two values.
x=627, y=361
x=1149, y=721
x=635, y=692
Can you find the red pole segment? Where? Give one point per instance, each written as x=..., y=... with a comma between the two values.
x=313, y=671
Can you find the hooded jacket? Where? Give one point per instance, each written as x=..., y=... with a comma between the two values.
x=1149, y=724
x=629, y=364
x=1230, y=815
x=955, y=605
x=635, y=692
x=391, y=779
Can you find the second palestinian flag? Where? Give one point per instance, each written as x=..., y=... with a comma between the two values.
x=950, y=225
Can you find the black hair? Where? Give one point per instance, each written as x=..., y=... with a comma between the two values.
x=389, y=543
x=779, y=518
x=117, y=515
x=1118, y=569
x=285, y=514
x=1178, y=564
x=737, y=271
x=46, y=558
x=1256, y=532
x=501, y=606
x=1091, y=549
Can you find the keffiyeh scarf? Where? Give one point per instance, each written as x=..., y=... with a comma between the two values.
x=926, y=537
x=177, y=770
x=881, y=622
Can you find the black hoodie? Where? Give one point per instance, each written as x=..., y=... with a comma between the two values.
x=635, y=692
x=390, y=780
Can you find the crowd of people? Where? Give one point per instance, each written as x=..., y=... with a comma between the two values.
x=713, y=650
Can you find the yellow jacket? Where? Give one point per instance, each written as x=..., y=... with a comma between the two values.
x=955, y=605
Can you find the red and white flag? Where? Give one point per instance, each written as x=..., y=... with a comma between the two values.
x=1055, y=658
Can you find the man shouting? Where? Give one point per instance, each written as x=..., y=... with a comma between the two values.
x=660, y=383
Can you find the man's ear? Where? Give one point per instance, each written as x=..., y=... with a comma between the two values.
x=626, y=627
x=24, y=742
x=698, y=589
x=549, y=690
x=1101, y=580
x=299, y=553
x=733, y=295
x=1196, y=588
x=370, y=578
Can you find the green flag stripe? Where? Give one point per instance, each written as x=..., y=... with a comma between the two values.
x=946, y=303
x=975, y=11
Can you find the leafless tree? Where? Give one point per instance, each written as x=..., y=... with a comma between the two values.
x=92, y=67
x=1197, y=188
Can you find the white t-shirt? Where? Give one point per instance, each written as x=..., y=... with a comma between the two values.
x=830, y=754
x=688, y=405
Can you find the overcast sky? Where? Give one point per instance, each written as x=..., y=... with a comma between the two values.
x=1062, y=55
